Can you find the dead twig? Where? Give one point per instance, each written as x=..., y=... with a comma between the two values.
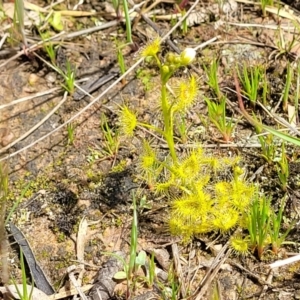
x=26, y=134
x=81, y=235
x=261, y=281
x=280, y=263
x=30, y=49
x=267, y=285
x=212, y=272
x=71, y=272
x=14, y=102
x=178, y=269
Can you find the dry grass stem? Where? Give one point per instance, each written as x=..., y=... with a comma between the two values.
x=31, y=97
x=26, y=134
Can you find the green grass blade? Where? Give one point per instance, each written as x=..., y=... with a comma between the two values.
x=17, y=203
x=283, y=136
x=128, y=22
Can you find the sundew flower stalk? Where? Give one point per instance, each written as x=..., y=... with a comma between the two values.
x=173, y=62
x=168, y=121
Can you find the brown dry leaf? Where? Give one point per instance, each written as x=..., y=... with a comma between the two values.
x=66, y=292
x=81, y=236
x=8, y=9
x=284, y=13
x=34, y=7
x=6, y=136
x=39, y=295
x=111, y=237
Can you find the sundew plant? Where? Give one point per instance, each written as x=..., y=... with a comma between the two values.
x=200, y=201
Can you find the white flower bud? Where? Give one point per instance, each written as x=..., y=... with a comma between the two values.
x=187, y=56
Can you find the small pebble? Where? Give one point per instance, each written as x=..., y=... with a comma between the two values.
x=30, y=89
x=297, y=294
x=6, y=136
x=229, y=7
x=32, y=79
x=51, y=77
x=88, y=249
x=216, y=248
x=95, y=260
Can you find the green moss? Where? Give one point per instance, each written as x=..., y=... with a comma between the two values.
x=88, y=256
x=93, y=227
x=43, y=255
x=90, y=174
x=85, y=280
x=146, y=77
x=41, y=182
x=121, y=166
x=61, y=237
x=118, y=222
x=93, y=175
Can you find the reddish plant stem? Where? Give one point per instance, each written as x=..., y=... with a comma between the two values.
x=241, y=104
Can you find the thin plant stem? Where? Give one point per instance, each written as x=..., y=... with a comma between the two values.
x=133, y=239
x=297, y=93
x=168, y=122
x=286, y=92
x=3, y=236
x=127, y=21
x=19, y=17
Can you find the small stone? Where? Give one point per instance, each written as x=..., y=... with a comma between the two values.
x=226, y=267
x=297, y=294
x=96, y=260
x=6, y=136
x=51, y=77
x=216, y=248
x=30, y=89
x=88, y=249
x=229, y=7
x=32, y=79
